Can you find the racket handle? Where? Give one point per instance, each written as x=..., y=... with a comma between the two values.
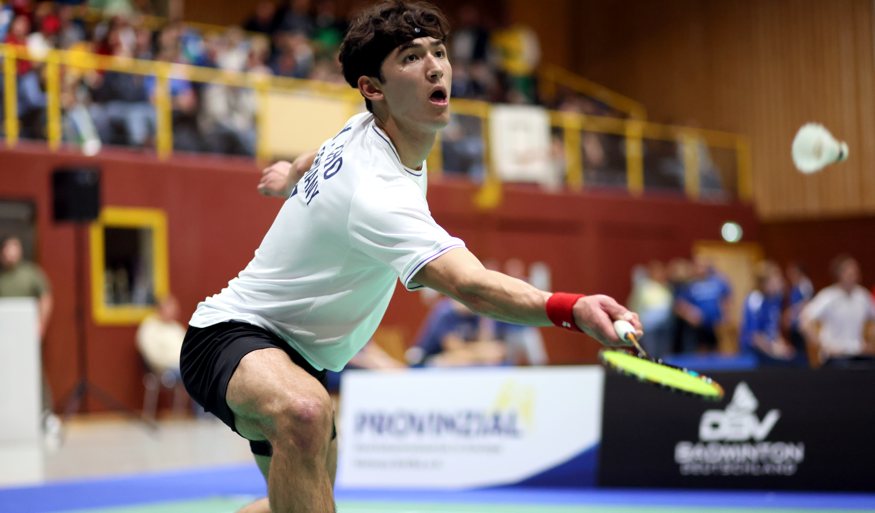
x=626, y=332
x=624, y=329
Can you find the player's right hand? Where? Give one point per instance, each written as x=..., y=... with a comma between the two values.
x=595, y=315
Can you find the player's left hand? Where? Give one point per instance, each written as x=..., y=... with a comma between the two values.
x=275, y=179
x=595, y=315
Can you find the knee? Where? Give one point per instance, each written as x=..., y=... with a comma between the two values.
x=304, y=423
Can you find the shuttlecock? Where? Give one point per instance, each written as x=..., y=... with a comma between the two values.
x=815, y=148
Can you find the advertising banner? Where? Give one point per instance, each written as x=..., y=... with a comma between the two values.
x=775, y=429
x=519, y=139
x=469, y=428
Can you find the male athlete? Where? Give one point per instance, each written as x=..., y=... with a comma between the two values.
x=320, y=281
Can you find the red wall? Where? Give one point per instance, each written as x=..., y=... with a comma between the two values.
x=814, y=243
x=216, y=219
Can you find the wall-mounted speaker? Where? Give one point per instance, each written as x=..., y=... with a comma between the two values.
x=76, y=194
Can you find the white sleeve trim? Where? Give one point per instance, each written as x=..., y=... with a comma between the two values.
x=425, y=260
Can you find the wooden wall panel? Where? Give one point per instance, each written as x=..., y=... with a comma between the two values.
x=762, y=68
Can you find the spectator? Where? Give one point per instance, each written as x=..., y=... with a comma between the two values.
x=227, y=114
x=263, y=20
x=522, y=344
x=122, y=110
x=799, y=294
x=651, y=297
x=701, y=305
x=516, y=54
x=72, y=27
x=159, y=339
x=760, y=333
x=297, y=19
x=19, y=278
x=470, y=43
x=834, y=321
x=329, y=28
x=184, y=101
x=455, y=336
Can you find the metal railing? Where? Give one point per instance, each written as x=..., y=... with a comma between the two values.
x=632, y=142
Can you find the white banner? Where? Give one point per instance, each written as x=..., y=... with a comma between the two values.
x=464, y=428
x=519, y=138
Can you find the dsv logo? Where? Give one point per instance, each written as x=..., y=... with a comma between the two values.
x=732, y=442
x=739, y=421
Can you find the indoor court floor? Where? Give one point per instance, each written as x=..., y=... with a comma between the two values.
x=112, y=465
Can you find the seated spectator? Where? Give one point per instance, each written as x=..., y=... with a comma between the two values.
x=183, y=97
x=227, y=114
x=159, y=339
x=454, y=336
x=264, y=19
x=522, y=344
x=760, y=334
x=121, y=108
x=834, y=321
x=700, y=306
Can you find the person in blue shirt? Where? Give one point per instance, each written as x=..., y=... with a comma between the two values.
x=700, y=306
x=453, y=336
x=760, y=334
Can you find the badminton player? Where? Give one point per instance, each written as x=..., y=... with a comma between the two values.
x=255, y=354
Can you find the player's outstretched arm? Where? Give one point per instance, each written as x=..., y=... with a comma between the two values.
x=278, y=178
x=459, y=274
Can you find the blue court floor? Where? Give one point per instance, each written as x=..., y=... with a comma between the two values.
x=223, y=489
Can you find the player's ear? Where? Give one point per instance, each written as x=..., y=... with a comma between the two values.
x=370, y=88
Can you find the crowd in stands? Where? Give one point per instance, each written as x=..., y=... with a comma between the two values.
x=297, y=39
x=494, y=60
x=685, y=307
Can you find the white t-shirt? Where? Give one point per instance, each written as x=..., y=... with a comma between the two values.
x=324, y=273
x=842, y=318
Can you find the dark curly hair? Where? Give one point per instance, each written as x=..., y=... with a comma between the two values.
x=379, y=29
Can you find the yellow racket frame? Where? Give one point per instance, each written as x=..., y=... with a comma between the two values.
x=675, y=378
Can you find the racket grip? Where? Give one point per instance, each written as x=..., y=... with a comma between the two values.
x=624, y=329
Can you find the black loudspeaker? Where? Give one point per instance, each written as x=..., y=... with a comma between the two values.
x=76, y=194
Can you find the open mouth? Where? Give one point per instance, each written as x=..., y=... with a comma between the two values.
x=438, y=97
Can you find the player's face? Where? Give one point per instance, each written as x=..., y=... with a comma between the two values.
x=416, y=83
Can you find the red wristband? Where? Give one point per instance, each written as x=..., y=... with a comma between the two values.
x=560, y=310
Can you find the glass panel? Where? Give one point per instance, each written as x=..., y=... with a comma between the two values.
x=718, y=172
x=663, y=166
x=128, y=265
x=604, y=160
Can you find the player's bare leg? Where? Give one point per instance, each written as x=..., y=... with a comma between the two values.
x=263, y=505
x=274, y=399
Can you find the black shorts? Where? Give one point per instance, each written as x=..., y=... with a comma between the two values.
x=210, y=356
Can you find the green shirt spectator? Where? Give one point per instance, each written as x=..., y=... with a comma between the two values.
x=23, y=279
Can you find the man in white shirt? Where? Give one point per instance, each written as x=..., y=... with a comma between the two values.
x=321, y=279
x=841, y=311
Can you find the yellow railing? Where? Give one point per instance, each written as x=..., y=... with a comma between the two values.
x=633, y=133
x=552, y=77
x=164, y=72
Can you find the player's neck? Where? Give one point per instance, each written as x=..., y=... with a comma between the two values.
x=412, y=143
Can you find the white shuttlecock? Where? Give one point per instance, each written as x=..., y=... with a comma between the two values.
x=815, y=148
